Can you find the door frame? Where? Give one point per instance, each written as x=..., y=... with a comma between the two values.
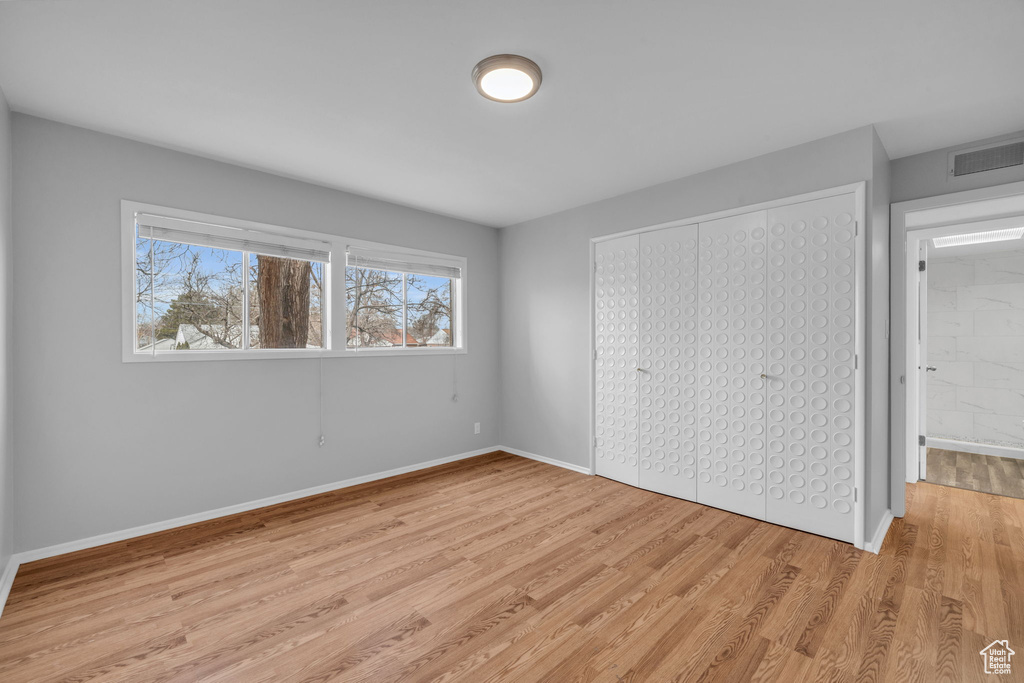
x=988, y=208
x=922, y=356
x=859, y=190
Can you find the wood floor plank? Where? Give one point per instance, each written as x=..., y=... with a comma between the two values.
x=499, y=568
x=985, y=473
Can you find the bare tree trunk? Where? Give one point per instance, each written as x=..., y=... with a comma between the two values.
x=283, y=287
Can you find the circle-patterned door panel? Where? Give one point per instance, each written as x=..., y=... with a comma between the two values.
x=616, y=340
x=668, y=361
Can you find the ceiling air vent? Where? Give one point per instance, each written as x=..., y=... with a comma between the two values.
x=976, y=160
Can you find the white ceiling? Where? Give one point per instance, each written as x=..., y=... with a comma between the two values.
x=375, y=96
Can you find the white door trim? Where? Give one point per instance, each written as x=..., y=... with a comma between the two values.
x=987, y=208
x=922, y=357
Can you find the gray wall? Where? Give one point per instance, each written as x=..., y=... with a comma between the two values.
x=103, y=446
x=545, y=300
x=927, y=174
x=879, y=475
x=6, y=230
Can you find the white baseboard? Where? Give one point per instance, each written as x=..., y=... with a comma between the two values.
x=549, y=461
x=6, y=581
x=875, y=544
x=124, y=534
x=979, y=448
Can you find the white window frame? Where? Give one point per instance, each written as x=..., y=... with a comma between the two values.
x=334, y=293
x=459, y=326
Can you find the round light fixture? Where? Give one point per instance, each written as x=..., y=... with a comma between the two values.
x=507, y=78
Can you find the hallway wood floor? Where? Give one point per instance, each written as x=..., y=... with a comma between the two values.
x=504, y=569
x=985, y=473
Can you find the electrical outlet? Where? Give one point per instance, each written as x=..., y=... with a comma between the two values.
x=476, y=427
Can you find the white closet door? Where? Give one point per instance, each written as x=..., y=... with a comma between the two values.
x=812, y=265
x=731, y=391
x=668, y=361
x=616, y=339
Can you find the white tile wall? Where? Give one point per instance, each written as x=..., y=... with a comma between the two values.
x=989, y=297
x=950, y=273
x=955, y=373
x=943, y=396
x=999, y=429
x=993, y=349
x=941, y=299
x=953, y=323
x=976, y=343
x=1002, y=375
x=942, y=349
x=1009, y=323
x=949, y=424
x=985, y=400
x=999, y=269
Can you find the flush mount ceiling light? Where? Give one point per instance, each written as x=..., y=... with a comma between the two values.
x=978, y=237
x=507, y=78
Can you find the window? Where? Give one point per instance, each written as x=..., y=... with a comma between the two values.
x=400, y=301
x=200, y=287
x=205, y=287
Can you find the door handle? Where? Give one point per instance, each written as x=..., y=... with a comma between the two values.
x=930, y=368
x=643, y=370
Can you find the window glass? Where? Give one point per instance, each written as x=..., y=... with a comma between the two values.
x=285, y=303
x=374, y=301
x=193, y=297
x=144, y=318
x=429, y=301
x=208, y=287
x=386, y=309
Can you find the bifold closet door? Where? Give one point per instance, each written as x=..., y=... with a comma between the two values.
x=732, y=364
x=812, y=390
x=616, y=343
x=726, y=367
x=668, y=361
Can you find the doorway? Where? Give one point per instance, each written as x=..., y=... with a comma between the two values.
x=971, y=333
x=925, y=319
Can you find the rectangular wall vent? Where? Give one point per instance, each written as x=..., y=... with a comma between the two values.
x=987, y=159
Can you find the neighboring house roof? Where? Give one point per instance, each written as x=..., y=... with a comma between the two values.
x=161, y=345
x=198, y=340
x=440, y=338
x=396, y=339
x=391, y=338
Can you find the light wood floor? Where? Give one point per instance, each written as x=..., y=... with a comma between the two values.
x=504, y=569
x=987, y=473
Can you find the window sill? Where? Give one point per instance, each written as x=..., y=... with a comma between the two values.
x=280, y=354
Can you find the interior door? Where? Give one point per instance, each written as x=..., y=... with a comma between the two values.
x=668, y=361
x=733, y=321
x=616, y=340
x=812, y=387
x=922, y=362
